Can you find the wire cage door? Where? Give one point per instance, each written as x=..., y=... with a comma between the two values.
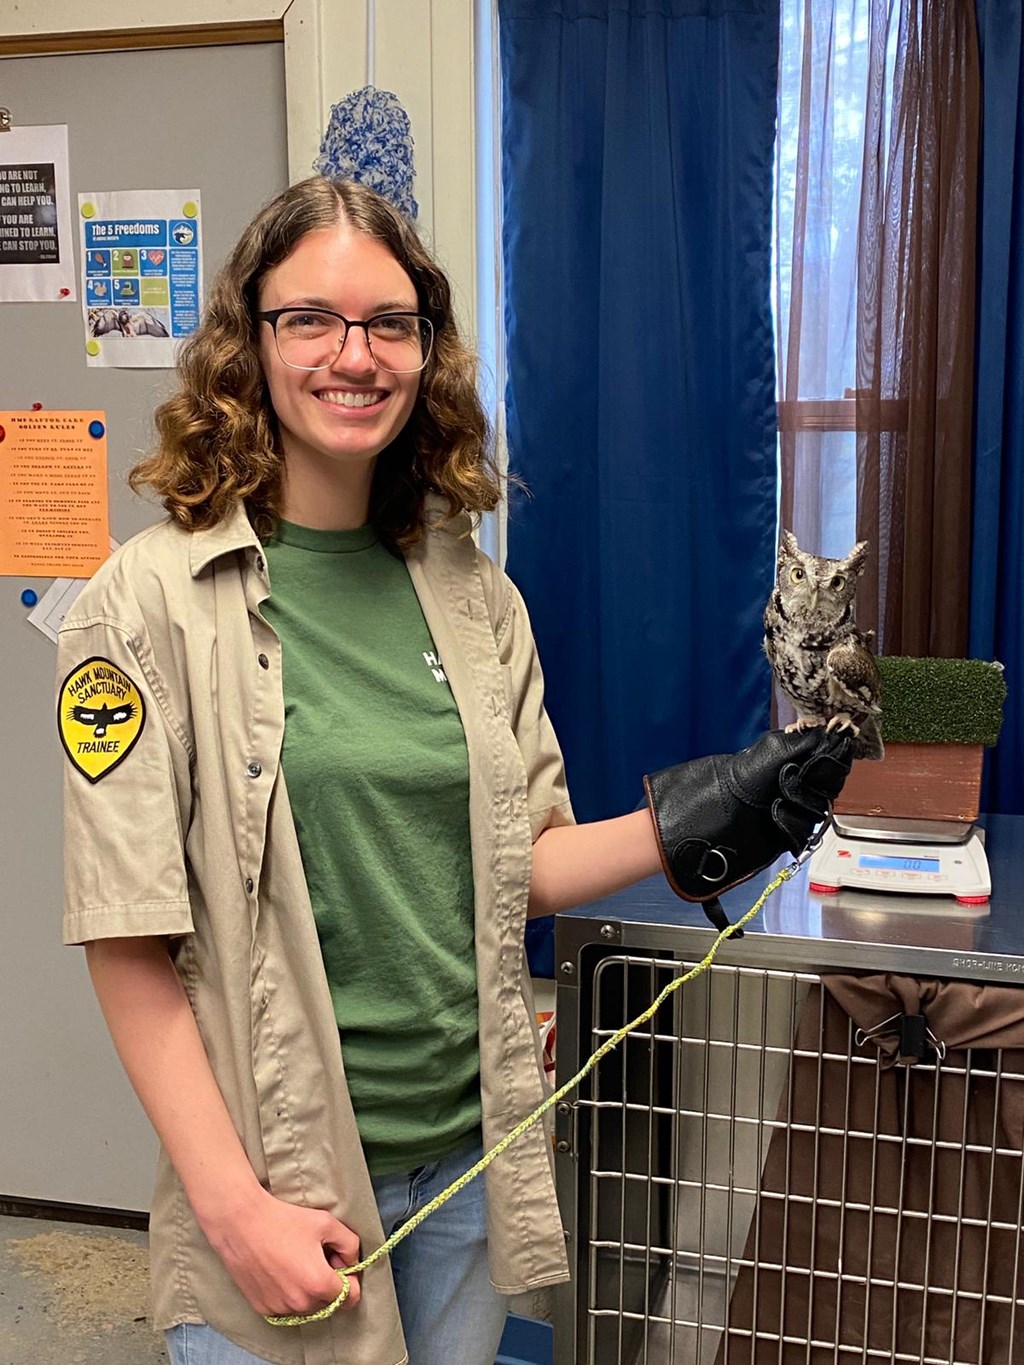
x=754, y=1182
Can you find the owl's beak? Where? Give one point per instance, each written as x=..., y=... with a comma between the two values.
x=814, y=598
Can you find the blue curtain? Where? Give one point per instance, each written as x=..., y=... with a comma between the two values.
x=997, y=572
x=637, y=160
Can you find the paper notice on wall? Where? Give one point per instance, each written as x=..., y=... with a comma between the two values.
x=37, y=258
x=49, y=612
x=53, y=493
x=142, y=272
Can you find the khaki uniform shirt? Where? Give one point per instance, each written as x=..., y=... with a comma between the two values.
x=177, y=823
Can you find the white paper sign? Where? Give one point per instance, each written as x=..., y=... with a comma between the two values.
x=142, y=273
x=55, y=603
x=37, y=258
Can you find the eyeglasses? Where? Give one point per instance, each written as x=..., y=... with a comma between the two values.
x=313, y=338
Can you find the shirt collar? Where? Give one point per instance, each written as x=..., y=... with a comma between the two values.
x=234, y=532
x=231, y=533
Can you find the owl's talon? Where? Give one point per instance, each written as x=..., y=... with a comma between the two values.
x=842, y=722
x=804, y=723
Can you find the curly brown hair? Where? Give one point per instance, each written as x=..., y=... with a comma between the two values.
x=218, y=435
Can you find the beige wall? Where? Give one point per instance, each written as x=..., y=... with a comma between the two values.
x=422, y=50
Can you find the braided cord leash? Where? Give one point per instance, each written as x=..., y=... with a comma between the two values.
x=298, y=1320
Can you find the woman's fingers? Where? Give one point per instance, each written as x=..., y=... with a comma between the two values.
x=341, y=1247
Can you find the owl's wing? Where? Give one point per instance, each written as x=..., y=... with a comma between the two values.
x=854, y=682
x=855, y=686
x=770, y=621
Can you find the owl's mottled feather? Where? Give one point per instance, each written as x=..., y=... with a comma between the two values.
x=821, y=661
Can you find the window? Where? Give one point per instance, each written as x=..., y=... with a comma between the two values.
x=820, y=153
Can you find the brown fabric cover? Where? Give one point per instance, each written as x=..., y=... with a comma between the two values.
x=915, y=331
x=823, y=1092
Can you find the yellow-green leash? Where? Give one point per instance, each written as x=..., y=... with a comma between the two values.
x=297, y=1320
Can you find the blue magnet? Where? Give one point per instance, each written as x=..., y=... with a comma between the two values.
x=96, y=429
x=29, y=598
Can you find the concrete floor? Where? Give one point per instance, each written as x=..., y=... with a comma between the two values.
x=72, y=1294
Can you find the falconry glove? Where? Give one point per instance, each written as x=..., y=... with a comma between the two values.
x=721, y=819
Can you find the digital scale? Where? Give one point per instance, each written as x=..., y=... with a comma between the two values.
x=920, y=857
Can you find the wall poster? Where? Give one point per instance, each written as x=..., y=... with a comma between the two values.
x=142, y=273
x=37, y=262
x=53, y=493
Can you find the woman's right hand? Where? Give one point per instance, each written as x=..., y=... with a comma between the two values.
x=283, y=1257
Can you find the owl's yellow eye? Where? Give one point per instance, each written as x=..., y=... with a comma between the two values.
x=796, y=575
x=838, y=583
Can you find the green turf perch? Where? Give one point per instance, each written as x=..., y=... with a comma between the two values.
x=937, y=717
x=941, y=701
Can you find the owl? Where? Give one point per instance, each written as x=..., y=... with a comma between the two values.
x=821, y=661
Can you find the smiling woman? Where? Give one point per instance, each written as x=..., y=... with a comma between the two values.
x=321, y=463
x=250, y=421
x=337, y=407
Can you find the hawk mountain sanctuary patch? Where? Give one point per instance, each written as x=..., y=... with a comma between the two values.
x=100, y=715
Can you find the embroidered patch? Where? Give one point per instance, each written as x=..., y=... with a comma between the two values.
x=100, y=715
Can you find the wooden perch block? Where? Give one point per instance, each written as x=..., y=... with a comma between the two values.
x=917, y=782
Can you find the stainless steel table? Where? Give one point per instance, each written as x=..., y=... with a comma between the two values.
x=665, y=1155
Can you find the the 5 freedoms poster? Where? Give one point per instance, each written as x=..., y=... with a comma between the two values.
x=142, y=271
x=37, y=263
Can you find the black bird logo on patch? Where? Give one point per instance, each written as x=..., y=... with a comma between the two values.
x=101, y=717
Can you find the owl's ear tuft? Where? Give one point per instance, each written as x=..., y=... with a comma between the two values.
x=858, y=557
x=787, y=544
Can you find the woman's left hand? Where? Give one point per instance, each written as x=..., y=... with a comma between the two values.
x=721, y=819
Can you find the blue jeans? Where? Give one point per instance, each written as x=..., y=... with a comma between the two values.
x=449, y=1310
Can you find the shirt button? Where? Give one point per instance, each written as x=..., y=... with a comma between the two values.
x=263, y=661
x=254, y=770
x=249, y=884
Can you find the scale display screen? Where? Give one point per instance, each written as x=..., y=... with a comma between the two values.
x=900, y=864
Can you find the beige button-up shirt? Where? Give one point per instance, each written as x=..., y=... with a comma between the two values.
x=177, y=823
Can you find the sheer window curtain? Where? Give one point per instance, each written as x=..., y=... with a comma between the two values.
x=875, y=245
x=823, y=75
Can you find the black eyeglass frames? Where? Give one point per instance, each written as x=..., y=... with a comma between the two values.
x=313, y=338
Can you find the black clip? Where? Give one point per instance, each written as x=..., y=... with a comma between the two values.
x=917, y=1042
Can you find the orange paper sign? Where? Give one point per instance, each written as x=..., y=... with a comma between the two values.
x=53, y=493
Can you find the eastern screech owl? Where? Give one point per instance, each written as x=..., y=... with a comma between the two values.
x=821, y=661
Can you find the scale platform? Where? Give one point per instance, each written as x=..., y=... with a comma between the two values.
x=933, y=858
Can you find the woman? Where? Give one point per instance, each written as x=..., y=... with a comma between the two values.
x=325, y=796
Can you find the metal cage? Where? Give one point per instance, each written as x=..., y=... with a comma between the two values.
x=743, y=1181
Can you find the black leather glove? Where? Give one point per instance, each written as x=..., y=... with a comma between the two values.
x=723, y=818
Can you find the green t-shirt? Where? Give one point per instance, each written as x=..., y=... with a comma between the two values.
x=378, y=780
